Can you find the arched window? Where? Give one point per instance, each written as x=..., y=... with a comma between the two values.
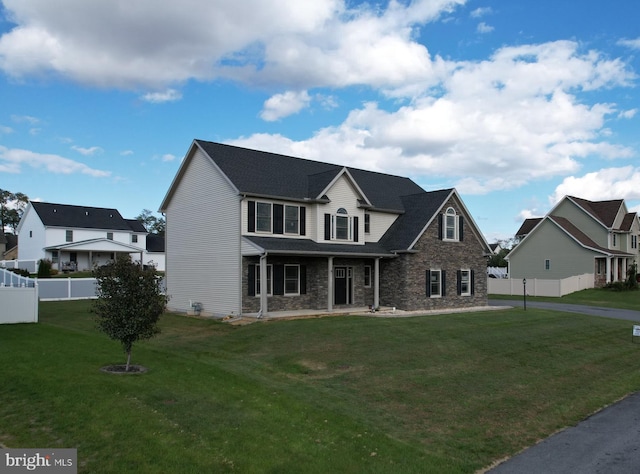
x=342, y=224
x=451, y=224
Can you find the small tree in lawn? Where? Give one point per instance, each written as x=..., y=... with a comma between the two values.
x=129, y=303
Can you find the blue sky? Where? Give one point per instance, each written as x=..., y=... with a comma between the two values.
x=513, y=103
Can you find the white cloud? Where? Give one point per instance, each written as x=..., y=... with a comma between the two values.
x=168, y=157
x=12, y=161
x=5, y=130
x=87, y=151
x=482, y=11
x=25, y=119
x=126, y=153
x=303, y=45
x=169, y=95
x=628, y=114
x=497, y=124
x=630, y=43
x=283, y=105
x=484, y=28
x=609, y=183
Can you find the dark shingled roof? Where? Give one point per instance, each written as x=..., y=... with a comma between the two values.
x=627, y=222
x=418, y=210
x=80, y=217
x=604, y=211
x=302, y=246
x=155, y=243
x=527, y=226
x=269, y=174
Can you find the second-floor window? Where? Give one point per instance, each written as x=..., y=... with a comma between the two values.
x=68, y=236
x=451, y=226
x=134, y=239
x=273, y=218
x=110, y=235
x=341, y=226
x=263, y=217
x=634, y=241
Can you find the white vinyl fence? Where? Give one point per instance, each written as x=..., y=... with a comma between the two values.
x=539, y=287
x=18, y=304
x=30, y=265
x=52, y=289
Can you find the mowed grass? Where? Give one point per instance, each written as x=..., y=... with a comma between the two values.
x=438, y=393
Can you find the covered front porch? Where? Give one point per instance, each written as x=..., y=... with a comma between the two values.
x=86, y=254
x=308, y=276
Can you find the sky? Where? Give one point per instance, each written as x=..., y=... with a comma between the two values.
x=514, y=103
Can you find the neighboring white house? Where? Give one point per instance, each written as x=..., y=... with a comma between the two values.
x=79, y=237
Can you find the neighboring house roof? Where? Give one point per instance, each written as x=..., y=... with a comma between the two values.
x=11, y=241
x=136, y=226
x=155, y=243
x=527, y=226
x=268, y=174
x=583, y=239
x=627, y=222
x=81, y=217
x=604, y=211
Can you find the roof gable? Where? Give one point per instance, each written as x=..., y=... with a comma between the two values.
x=527, y=226
x=269, y=174
x=604, y=211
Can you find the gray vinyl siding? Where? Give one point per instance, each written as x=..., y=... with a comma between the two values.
x=203, y=241
x=583, y=221
x=567, y=258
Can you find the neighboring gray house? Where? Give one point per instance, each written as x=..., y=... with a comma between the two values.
x=250, y=232
x=77, y=237
x=578, y=237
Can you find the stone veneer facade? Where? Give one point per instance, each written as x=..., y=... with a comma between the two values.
x=402, y=279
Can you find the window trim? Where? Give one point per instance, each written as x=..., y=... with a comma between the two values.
x=257, y=279
x=258, y=205
x=286, y=279
x=284, y=225
x=367, y=223
x=432, y=272
x=466, y=271
x=451, y=213
x=68, y=236
x=368, y=276
x=547, y=264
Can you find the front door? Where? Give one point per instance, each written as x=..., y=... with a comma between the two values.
x=343, y=285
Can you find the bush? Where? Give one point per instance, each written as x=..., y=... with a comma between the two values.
x=44, y=268
x=20, y=271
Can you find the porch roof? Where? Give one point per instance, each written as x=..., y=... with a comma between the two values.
x=284, y=246
x=96, y=245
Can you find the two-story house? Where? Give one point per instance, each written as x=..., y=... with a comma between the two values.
x=578, y=237
x=77, y=237
x=251, y=232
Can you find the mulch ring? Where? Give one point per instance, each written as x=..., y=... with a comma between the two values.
x=121, y=369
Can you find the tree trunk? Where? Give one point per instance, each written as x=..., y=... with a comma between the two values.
x=128, y=360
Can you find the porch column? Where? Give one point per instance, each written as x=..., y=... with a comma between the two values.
x=330, y=284
x=615, y=269
x=264, y=309
x=376, y=283
x=609, y=269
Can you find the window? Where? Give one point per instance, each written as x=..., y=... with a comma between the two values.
x=614, y=240
x=30, y=234
x=600, y=265
x=451, y=225
x=263, y=217
x=291, y=220
x=367, y=276
x=634, y=241
x=341, y=226
x=367, y=223
x=134, y=239
x=435, y=283
x=464, y=282
x=547, y=264
x=54, y=256
x=110, y=235
x=291, y=279
x=69, y=236
x=269, y=279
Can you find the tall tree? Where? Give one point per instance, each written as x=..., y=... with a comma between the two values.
x=130, y=302
x=152, y=223
x=12, y=206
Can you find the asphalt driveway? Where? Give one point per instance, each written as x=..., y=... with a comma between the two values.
x=606, y=442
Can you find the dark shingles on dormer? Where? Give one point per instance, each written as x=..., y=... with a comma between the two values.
x=605, y=211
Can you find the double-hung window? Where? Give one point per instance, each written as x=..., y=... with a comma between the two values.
x=435, y=283
x=464, y=288
x=269, y=280
x=451, y=224
x=367, y=276
x=291, y=279
x=341, y=225
x=263, y=217
x=69, y=236
x=291, y=219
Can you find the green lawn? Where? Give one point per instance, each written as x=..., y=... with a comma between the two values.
x=439, y=393
x=592, y=297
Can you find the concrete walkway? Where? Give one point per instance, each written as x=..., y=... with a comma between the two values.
x=606, y=442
